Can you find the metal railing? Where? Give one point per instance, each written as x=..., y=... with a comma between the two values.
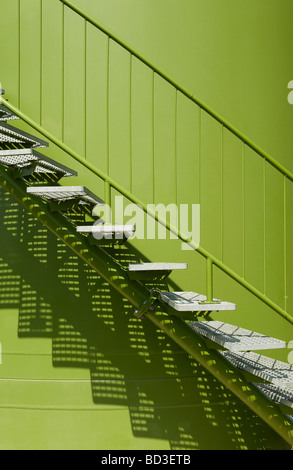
x=110, y=183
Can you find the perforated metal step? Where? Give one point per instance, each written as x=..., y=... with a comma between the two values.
x=278, y=394
x=153, y=270
x=271, y=370
x=80, y=194
x=10, y=134
x=235, y=338
x=32, y=161
x=109, y=232
x=193, y=302
x=6, y=114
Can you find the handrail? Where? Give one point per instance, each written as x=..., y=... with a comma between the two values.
x=185, y=92
x=211, y=260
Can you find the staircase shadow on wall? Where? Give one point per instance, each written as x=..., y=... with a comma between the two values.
x=169, y=395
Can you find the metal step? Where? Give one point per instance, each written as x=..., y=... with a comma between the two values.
x=2, y=92
x=235, y=338
x=108, y=232
x=70, y=195
x=28, y=161
x=280, y=395
x=10, y=134
x=277, y=372
x=145, y=271
x=193, y=302
x=6, y=114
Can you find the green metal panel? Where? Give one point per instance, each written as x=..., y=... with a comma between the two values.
x=142, y=145
x=119, y=114
x=274, y=235
x=96, y=99
x=30, y=57
x=164, y=142
x=254, y=219
x=289, y=246
x=211, y=184
x=187, y=151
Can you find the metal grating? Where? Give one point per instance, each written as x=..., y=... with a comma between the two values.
x=6, y=114
x=25, y=158
x=235, y=338
x=279, y=394
x=271, y=370
x=11, y=134
x=192, y=302
x=65, y=193
x=156, y=266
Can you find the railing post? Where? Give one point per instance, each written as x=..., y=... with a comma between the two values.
x=209, y=280
x=107, y=197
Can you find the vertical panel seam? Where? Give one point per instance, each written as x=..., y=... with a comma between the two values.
x=175, y=147
x=85, y=91
x=130, y=123
x=285, y=244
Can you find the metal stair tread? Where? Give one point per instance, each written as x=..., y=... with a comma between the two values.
x=23, y=158
x=65, y=193
x=156, y=266
x=101, y=228
x=235, y=338
x=191, y=301
x=281, y=395
x=271, y=370
x=12, y=134
x=6, y=114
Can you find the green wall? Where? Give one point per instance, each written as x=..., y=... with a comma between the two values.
x=235, y=56
x=74, y=358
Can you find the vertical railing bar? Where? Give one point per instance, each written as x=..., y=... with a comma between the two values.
x=107, y=196
x=85, y=94
x=19, y=52
x=285, y=243
x=107, y=107
x=175, y=147
x=199, y=153
x=153, y=133
x=222, y=193
x=130, y=123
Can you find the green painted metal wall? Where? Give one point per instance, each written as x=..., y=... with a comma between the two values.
x=78, y=370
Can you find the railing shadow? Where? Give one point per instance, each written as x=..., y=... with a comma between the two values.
x=169, y=396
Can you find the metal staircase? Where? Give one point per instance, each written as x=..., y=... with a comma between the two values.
x=269, y=383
